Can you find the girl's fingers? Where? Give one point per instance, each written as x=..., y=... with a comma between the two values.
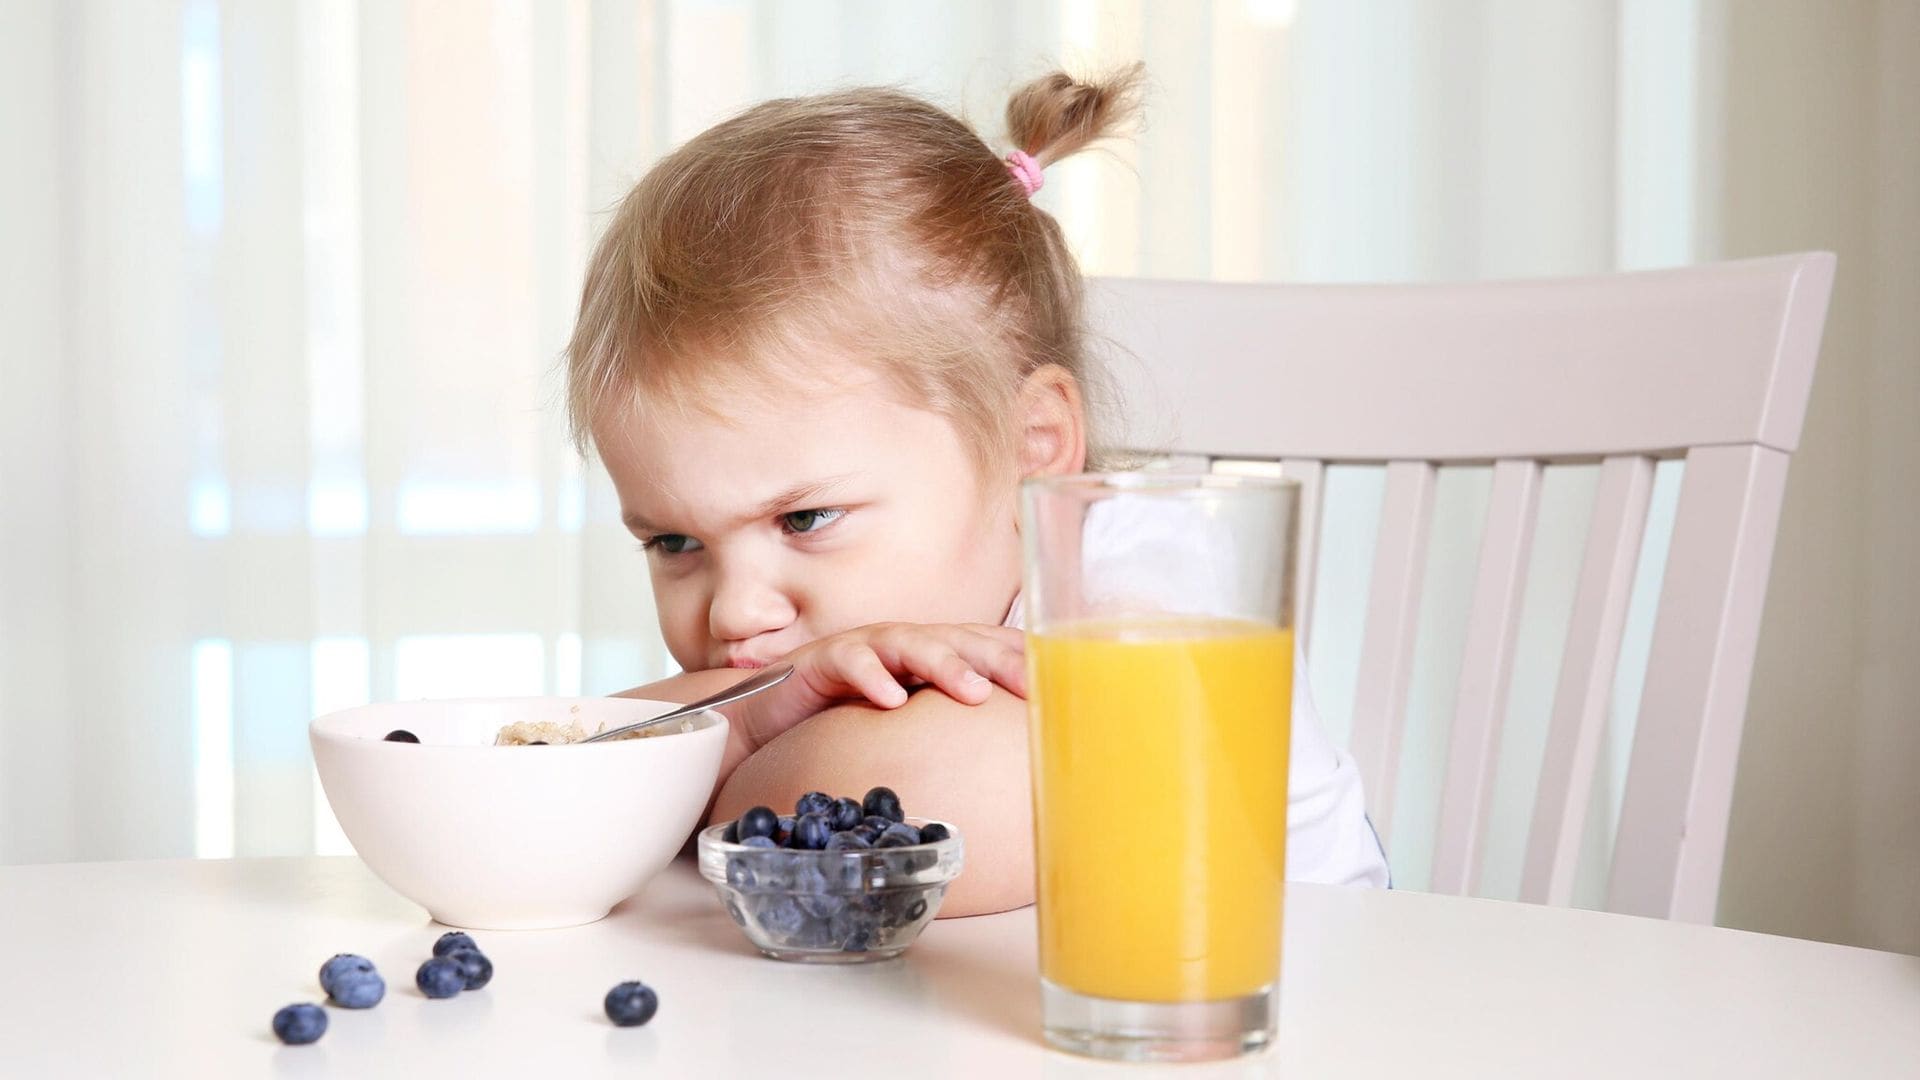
x=945, y=668
x=961, y=661
x=993, y=655
x=863, y=671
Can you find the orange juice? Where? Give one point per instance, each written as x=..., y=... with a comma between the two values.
x=1160, y=805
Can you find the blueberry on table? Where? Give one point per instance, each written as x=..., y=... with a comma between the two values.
x=813, y=802
x=396, y=735
x=933, y=832
x=440, y=977
x=631, y=1004
x=759, y=842
x=339, y=964
x=476, y=970
x=882, y=802
x=297, y=1025
x=844, y=814
x=451, y=940
x=357, y=989
x=759, y=821
x=847, y=841
x=810, y=832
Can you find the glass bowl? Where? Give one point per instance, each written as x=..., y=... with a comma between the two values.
x=831, y=907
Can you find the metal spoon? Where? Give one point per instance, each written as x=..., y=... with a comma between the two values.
x=747, y=687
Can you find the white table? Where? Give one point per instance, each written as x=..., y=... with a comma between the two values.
x=176, y=968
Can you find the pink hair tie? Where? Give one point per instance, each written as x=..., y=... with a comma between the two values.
x=1026, y=171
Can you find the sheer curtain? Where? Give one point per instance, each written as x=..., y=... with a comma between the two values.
x=290, y=282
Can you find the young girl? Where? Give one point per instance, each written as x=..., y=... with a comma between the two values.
x=819, y=347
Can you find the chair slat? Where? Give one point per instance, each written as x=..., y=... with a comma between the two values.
x=1585, y=685
x=1673, y=820
x=1486, y=676
x=1311, y=475
x=1393, y=622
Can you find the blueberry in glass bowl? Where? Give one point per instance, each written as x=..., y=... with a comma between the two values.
x=846, y=903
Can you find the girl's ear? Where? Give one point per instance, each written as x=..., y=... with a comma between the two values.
x=1053, y=436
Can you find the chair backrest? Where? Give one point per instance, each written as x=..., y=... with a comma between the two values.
x=1711, y=364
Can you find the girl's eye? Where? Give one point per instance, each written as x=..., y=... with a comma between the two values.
x=671, y=543
x=806, y=521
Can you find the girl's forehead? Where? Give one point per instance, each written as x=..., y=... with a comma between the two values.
x=803, y=437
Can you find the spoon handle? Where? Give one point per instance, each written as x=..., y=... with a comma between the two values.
x=760, y=680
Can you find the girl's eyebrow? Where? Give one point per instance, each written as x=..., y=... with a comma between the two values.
x=798, y=495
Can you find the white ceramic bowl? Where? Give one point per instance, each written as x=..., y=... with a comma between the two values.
x=514, y=837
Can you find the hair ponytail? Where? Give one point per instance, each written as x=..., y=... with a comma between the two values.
x=1058, y=115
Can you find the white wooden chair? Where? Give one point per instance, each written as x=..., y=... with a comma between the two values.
x=1710, y=363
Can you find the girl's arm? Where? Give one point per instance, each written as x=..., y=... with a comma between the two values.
x=955, y=762
x=692, y=686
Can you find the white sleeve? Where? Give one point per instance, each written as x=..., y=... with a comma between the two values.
x=1329, y=840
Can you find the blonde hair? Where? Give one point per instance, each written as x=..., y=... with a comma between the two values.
x=867, y=221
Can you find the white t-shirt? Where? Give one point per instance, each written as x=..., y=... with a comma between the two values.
x=1329, y=839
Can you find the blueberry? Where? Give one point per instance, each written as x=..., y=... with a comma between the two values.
x=451, y=940
x=758, y=821
x=810, y=833
x=934, y=832
x=739, y=874
x=396, y=735
x=783, y=835
x=917, y=908
x=882, y=802
x=440, y=977
x=297, y=1025
x=848, y=923
x=782, y=919
x=631, y=1004
x=815, y=899
x=731, y=834
x=813, y=802
x=356, y=989
x=759, y=842
x=847, y=841
x=475, y=968
x=898, y=835
x=338, y=965
x=844, y=814
x=876, y=823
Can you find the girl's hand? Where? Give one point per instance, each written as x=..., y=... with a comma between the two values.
x=878, y=663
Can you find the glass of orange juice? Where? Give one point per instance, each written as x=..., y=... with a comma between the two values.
x=1160, y=653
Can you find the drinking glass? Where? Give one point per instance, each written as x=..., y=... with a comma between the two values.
x=1160, y=651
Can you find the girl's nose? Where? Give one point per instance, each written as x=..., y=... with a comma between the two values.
x=745, y=606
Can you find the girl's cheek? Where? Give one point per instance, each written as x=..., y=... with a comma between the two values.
x=683, y=616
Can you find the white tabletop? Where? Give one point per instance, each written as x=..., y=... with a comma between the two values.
x=176, y=968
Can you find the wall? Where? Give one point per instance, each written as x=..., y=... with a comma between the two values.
x=1820, y=151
